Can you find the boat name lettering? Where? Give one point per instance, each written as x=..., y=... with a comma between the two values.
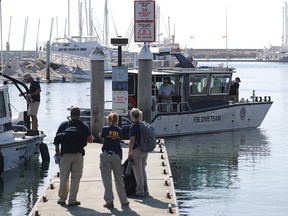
x=198, y=119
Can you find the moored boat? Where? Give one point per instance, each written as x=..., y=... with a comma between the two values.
x=201, y=103
x=15, y=145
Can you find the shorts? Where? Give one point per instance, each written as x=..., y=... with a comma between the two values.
x=33, y=108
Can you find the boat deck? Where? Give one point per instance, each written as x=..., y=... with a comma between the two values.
x=91, y=190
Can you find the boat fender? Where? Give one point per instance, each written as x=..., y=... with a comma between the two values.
x=44, y=152
x=1, y=163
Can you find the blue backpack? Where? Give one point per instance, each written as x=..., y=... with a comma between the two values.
x=148, y=137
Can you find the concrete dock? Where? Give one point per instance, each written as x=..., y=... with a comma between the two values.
x=160, y=201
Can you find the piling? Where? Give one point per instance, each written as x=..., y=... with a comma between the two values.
x=97, y=58
x=145, y=58
x=48, y=61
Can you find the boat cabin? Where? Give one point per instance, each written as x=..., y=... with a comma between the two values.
x=5, y=115
x=195, y=88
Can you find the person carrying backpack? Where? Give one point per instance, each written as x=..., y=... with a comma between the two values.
x=139, y=157
x=71, y=138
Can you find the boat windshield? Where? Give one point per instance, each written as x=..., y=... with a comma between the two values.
x=198, y=84
x=219, y=83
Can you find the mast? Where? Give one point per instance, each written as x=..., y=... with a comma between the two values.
x=158, y=23
x=106, y=27
x=286, y=24
x=68, y=18
x=1, y=37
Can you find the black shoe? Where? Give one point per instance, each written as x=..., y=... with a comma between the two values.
x=74, y=204
x=32, y=133
x=62, y=203
x=125, y=204
x=109, y=205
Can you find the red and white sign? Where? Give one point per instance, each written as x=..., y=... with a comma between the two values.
x=144, y=11
x=144, y=21
x=144, y=31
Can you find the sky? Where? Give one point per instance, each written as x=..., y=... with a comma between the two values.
x=199, y=24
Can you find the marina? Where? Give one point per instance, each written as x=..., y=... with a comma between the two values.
x=218, y=172
x=217, y=153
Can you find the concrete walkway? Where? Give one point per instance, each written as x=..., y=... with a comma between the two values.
x=91, y=192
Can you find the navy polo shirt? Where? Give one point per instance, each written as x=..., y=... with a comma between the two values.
x=135, y=132
x=34, y=85
x=112, y=137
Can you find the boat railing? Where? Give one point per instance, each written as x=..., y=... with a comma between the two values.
x=173, y=107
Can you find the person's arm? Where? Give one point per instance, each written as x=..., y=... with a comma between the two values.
x=90, y=139
x=131, y=145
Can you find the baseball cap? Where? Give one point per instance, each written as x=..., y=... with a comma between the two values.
x=26, y=76
x=75, y=112
x=238, y=79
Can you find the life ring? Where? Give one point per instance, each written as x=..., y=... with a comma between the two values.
x=132, y=101
x=44, y=152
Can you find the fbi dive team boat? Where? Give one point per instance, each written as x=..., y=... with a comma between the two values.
x=201, y=102
x=15, y=146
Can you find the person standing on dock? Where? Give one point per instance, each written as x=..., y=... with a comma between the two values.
x=72, y=136
x=135, y=154
x=234, y=90
x=33, y=97
x=110, y=160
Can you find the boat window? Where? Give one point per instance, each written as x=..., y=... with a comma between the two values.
x=158, y=81
x=198, y=84
x=219, y=84
x=2, y=106
x=131, y=84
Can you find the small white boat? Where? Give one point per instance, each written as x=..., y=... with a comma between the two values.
x=15, y=146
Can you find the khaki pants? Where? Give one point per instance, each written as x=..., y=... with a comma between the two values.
x=33, y=108
x=110, y=163
x=70, y=163
x=140, y=162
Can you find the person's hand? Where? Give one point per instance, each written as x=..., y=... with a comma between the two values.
x=130, y=157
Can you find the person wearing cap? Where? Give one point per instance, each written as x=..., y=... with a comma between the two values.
x=72, y=158
x=33, y=97
x=234, y=90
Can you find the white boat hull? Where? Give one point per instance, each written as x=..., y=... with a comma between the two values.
x=226, y=118
x=21, y=149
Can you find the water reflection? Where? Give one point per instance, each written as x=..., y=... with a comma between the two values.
x=209, y=162
x=19, y=187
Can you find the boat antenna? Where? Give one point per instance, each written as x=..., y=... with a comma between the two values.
x=226, y=37
x=1, y=38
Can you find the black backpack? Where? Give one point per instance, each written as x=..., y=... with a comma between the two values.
x=129, y=180
x=71, y=139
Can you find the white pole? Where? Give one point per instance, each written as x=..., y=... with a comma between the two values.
x=1, y=37
x=68, y=18
x=226, y=38
x=9, y=29
x=36, y=51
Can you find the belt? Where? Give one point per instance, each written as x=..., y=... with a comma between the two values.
x=110, y=153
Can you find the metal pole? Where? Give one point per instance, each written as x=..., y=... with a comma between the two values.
x=120, y=64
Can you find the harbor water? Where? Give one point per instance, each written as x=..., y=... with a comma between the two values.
x=231, y=173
